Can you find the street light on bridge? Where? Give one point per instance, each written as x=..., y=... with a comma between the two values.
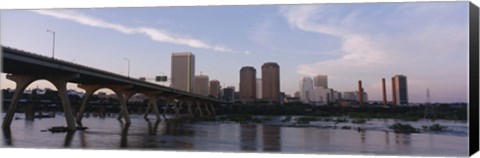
x=53, y=47
x=128, y=60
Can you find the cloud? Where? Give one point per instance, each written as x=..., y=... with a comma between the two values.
x=152, y=33
x=301, y=17
x=358, y=49
x=389, y=40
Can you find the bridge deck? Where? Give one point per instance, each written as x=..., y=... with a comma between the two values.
x=22, y=62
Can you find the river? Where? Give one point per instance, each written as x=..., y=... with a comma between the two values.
x=109, y=133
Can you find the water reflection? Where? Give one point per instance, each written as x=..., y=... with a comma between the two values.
x=124, y=134
x=402, y=139
x=248, y=137
x=7, y=135
x=178, y=135
x=28, y=125
x=152, y=130
x=83, y=142
x=362, y=136
x=271, y=138
x=177, y=129
x=387, y=138
x=402, y=143
x=150, y=140
x=68, y=138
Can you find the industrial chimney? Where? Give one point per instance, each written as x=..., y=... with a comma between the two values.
x=384, y=92
x=360, y=92
x=394, y=94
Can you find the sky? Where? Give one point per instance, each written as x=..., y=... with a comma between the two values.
x=425, y=41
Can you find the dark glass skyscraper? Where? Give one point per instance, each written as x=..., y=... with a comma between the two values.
x=400, y=90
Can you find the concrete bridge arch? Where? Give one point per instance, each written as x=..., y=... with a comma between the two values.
x=23, y=81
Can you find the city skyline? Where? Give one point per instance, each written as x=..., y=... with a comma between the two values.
x=319, y=39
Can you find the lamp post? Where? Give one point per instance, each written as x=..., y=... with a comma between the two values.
x=53, y=47
x=128, y=60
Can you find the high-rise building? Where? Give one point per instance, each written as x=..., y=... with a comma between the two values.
x=271, y=82
x=320, y=81
x=337, y=95
x=215, y=88
x=259, y=88
x=400, y=90
x=365, y=97
x=201, y=85
x=354, y=96
x=228, y=94
x=248, y=83
x=350, y=95
x=321, y=96
x=306, y=90
x=183, y=71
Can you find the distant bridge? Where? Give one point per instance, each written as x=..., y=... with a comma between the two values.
x=24, y=68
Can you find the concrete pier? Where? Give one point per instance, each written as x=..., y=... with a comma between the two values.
x=59, y=81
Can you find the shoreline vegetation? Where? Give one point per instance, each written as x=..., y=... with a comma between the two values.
x=305, y=121
x=405, y=113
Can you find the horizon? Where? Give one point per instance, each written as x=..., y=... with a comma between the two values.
x=346, y=42
x=109, y=92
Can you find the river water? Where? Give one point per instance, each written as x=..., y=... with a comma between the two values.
x=109, y=133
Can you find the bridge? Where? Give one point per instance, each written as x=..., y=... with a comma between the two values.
x=24, y=67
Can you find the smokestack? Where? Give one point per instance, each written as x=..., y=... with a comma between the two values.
x=360, y=92
x=384, y=92
x=394, y=94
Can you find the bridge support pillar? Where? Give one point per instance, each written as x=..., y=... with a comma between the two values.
x=213, y=109
x=120, y=91
x=22, y=82
x=123, y=109
x=169, y=102
x=189, y=108
x=152, y=104
x=123, y=96
x=206, y=109
x=177, y=108
x=89, y=90
x=59, y=81
x=147, y=110
x=198, y=109
x=165, y=108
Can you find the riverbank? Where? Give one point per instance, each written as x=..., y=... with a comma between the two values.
x=442, y=127
x=406, y=113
